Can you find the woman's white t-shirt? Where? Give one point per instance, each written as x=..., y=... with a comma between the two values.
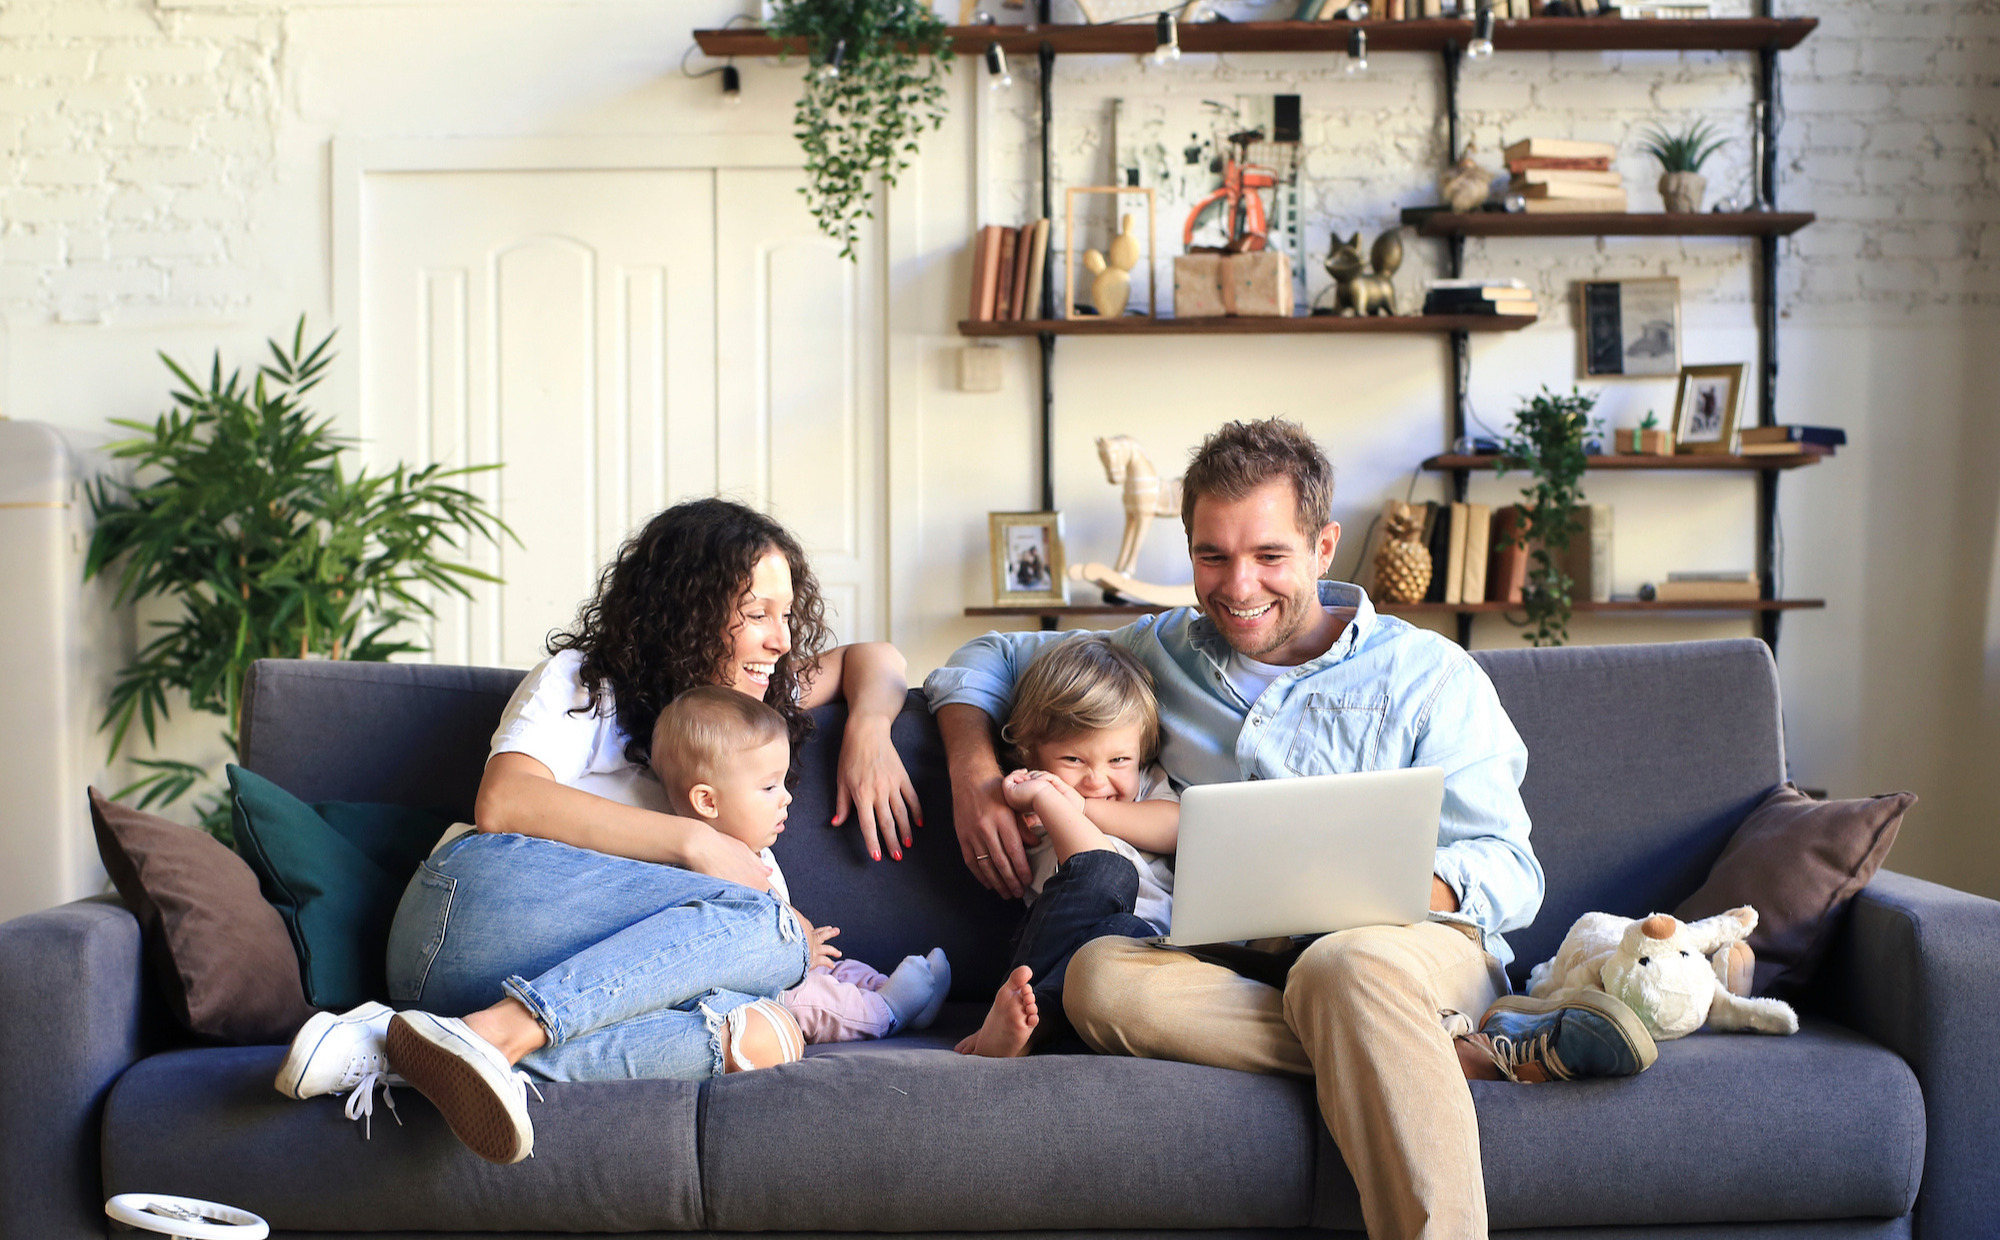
x=585, y=750
x=1156, y=872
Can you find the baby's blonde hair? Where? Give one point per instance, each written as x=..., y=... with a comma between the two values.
x=702, y=729
x=1077, y=685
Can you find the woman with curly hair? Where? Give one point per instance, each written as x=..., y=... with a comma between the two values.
x=627, y=941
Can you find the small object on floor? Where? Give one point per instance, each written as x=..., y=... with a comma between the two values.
x=480, y=1095
x=1572, y=1036
x=187, y=1217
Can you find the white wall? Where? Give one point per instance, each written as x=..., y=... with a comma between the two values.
x=167, y=185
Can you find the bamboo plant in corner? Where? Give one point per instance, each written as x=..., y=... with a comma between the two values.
x=241, y=511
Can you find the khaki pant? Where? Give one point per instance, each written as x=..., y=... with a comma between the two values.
x=1361, y=1011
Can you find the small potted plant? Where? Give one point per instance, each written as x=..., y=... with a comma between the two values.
x=1681, y=156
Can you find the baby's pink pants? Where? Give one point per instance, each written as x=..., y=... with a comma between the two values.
x=839, y=1004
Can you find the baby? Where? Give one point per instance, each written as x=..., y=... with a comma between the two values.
x=722, y=757
x=1086, y=730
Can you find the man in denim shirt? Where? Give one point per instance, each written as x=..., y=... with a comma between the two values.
x=1283, y=674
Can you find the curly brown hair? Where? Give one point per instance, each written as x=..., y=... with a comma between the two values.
x=665, y=606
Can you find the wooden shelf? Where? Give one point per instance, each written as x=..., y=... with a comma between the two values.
x=1328, y=324
x=1538, y=34
x=1624, y=606
x=1639, y=224
x=1757, y=464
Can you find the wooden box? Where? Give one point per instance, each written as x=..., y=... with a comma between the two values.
x=1634, y=441
x=1257, y=285
x=1198, y=286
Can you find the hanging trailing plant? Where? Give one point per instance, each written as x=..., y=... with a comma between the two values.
x=241, y=513
x=1548, y=441
x=873, y=84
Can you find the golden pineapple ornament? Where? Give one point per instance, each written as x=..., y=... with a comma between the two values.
x=1403, y=564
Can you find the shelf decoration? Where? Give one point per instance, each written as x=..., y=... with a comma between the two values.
x=1146, y=496
x=873, y=84
x=1124, y=237
x=1550, y=430
x=1681, y=156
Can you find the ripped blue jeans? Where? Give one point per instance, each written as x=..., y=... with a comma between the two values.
x=629, y=966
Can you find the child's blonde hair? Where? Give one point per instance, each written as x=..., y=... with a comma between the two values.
x=702, y=729
x=1077, y=685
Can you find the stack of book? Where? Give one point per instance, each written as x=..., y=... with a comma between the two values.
x=1706, y=588
x=1565, y=176
x=1007, y=269
x=1789, y=440
x=1412, y=10
x=1495, y=297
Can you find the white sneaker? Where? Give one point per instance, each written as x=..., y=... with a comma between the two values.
x=334, y=1053
x=480, y=1095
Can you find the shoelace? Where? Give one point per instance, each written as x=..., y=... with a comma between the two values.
x=361, y=1103
x=1510, y=1056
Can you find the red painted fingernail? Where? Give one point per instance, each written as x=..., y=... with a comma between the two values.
x=873, y=855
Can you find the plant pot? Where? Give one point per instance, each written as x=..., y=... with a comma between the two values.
x=1683, y=191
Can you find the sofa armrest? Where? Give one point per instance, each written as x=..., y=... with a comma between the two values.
x=1916, y=967
x=73, y=993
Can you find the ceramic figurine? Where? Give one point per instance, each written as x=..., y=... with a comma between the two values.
x=1356, y=292
x=1465, y=185
x=1111, y=285
x=1146, y=495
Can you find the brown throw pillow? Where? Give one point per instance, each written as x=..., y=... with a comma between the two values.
x=218, y=949
x=1798, y=862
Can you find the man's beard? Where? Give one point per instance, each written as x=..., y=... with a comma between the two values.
x=1298, y=612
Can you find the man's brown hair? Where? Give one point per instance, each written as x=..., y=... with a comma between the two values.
x=703, y=729
x=1243, y=456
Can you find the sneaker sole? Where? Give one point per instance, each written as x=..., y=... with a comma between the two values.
x=305, y=1044
x=1623, y=1018
x=464, y=1097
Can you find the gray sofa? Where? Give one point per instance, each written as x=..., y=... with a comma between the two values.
x=1878, y=1119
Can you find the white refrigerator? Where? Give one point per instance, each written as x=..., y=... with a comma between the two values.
x=53, y=649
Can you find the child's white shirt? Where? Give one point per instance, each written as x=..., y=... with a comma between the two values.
x=1156, y=871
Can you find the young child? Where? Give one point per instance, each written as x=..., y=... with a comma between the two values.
x=1086, y=729
x=722, y=757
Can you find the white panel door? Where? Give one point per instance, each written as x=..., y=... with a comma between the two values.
x=799, y=387
x=561, y=323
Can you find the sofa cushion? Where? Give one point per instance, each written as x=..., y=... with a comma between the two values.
x=609, y=1156
x=1798, y=862
x=1723, y=1128
x=903, y=1139
x=335, y=872
x=1642, y=761
x=218, y=951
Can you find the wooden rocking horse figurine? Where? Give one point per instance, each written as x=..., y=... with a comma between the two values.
x=1146, y=496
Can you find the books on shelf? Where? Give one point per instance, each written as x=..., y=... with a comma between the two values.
x=1008, y=267
x=1826, y=436
x=1534, y=178
x=1489, y=297
x=1576, y=206
x=1558, y=163
x=1784, y=449
x=1707, y=588
x=1588, y=562
x=1507, y=566
x=1559, y=148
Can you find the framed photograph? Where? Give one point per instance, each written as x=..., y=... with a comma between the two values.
x=1705, y=409
x=1028, y=567
x=1630, y=327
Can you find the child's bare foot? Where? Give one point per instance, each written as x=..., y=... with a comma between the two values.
x=1009, y=1022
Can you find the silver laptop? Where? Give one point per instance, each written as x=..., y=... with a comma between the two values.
x=1309, y=855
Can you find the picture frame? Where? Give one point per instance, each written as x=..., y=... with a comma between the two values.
x=1029, y=568
x=1629, y=328
x=1068, y=308
x=1705, y=409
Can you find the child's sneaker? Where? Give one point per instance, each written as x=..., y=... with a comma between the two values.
x=334, y=1053
x=480, y=1095
x=1569, y=1036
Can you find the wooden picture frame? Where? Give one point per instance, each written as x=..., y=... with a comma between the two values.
x=1026, y=550
x=1705, y=409
x=1068, y=307
x=1629, y=328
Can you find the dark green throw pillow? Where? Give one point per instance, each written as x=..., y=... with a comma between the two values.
x=335, y=871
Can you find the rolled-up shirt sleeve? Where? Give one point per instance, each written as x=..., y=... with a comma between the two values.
x=1483, y=852
x=983, y=671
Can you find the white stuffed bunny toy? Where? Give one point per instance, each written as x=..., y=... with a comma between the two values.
x=1676, y=975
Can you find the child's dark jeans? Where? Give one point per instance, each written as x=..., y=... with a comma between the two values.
x=1090, y=896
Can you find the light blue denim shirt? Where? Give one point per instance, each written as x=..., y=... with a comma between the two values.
x=1387, y=694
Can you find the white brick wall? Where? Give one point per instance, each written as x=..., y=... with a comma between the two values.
x=131, y=142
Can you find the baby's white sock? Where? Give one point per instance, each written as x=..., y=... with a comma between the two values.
x=907, y=991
